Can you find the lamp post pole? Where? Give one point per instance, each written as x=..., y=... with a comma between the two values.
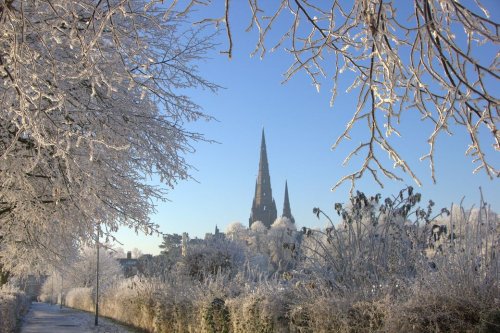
x=61, y=293
x=52, y=288
x=97, y=281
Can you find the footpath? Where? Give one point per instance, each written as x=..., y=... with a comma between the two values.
x=46, y=318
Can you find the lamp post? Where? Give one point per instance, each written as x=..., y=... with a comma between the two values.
x=52, y=288
x=97, y=281
x=61, y=292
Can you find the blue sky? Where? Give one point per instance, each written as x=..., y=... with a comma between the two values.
x=300, y=129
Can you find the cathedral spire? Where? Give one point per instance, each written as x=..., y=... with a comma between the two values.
x=264, y=207
x=263, y=164
x=287, y=211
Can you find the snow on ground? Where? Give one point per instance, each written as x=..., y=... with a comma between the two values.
x=46, y=318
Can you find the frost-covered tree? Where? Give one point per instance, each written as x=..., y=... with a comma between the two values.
x=37, y=252
x=438, y=58
x=171, y=244
x=207, y=258
x=136, y=253
x=92, y=99
x=258, y=227
x=257, y=237
x=281, y=243
x=83, y=272
x=158, y=266
x=236, y=231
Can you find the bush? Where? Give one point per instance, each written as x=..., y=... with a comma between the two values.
x=375, y=241
x=490, y=320
x=459, y=290
x=318, y=309
x=80, y=298
x=153, y=305
x=216, y=317
x=261, y=309
x=387, y=267
x=13, y=305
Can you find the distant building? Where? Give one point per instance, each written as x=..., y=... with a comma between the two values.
x=132, y=267
x=215, y=236
x=129, y=265
x=263, y=205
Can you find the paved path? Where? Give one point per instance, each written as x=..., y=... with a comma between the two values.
x=46, y=318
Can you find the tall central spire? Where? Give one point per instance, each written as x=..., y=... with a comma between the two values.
x=263, y=207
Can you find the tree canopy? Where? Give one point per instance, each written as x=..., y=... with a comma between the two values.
x=93, y=105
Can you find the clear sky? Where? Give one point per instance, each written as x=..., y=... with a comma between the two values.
x=300, y=129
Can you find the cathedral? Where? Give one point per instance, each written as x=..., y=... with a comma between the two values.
x=264, y=206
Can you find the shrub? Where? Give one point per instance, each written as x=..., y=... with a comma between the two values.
x=152, y=304
x=460, y=292
x=319, y=309
x=13, y=305
x=261, y=309
x=387, y=267
x=80, y=298
x=490, y=320
x=376, y=240
x=216, y=317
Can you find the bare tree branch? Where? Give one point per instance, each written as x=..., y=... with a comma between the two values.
x=439, y=59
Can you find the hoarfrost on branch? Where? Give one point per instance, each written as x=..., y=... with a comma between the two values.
x=437, y=57
x=93, y=105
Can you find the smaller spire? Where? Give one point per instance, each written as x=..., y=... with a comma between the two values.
x=287, y=212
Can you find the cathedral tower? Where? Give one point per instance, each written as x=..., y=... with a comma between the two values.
x=287, y=211
x=263, y=207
